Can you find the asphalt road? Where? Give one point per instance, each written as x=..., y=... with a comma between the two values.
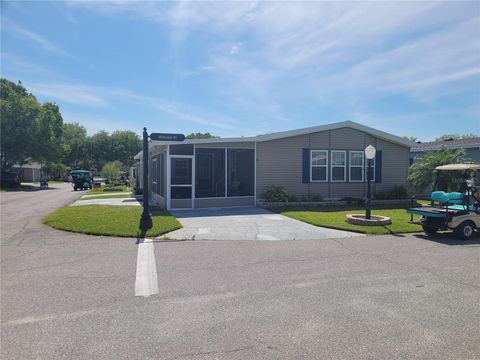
x=68, y=296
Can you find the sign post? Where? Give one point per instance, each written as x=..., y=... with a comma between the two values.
x=146, y=221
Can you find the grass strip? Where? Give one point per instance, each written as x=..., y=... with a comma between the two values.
x=335, y=219
x=105, y=189
x=110, y=220
x=122, y=196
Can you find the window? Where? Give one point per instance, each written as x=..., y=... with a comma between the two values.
x=339, y=165
x=356, y=166
x=241, y=169
x=319, y=165
x=209, y=173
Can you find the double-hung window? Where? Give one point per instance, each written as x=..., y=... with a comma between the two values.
x=356, y=166
x=338, y=165
x=319, y=165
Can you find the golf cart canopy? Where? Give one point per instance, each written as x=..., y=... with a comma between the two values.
x=459, y=167
x=79, y=172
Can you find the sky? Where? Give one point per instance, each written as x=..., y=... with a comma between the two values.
x=249, y=68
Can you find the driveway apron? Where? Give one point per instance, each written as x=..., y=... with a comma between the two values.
x=249, y=223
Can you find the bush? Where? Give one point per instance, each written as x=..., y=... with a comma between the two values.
x=398, y=192
x=110, y=171
x=353, y=200
x=316, y=197
x=292, y=198
x=275, y=193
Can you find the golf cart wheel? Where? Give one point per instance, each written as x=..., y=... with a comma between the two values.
x=465, y=230
x=429, y=230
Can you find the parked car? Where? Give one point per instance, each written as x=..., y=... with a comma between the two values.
x=9, y=179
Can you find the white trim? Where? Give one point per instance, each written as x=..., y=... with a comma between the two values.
x=325, y=166
x=337, y=166
x=356, y=166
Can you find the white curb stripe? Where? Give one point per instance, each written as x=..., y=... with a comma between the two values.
x=146, y=282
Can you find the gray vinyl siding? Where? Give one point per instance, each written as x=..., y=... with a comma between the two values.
x=279, y=162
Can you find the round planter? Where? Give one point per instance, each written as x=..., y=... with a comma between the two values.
x=375, y=220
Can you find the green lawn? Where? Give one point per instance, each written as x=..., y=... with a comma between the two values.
x=335, y=219
x=109, y=220
x=120, y=196
x=106, y=189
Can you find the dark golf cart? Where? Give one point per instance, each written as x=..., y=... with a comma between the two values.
x=458, y=210
x=81, y=179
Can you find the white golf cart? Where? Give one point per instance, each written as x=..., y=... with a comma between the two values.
x=459, y=211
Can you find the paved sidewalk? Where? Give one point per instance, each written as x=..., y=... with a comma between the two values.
x=105, y=194
x=111, y=201
x=250, y=223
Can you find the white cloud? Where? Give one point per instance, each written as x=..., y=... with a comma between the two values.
x=104, y=97
x=38, y=39
x=322, y=50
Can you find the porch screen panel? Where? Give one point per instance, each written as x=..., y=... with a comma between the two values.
x=241, y=172
x=181, y=171
x=209, y=173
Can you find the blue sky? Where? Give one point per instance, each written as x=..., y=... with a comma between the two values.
x=247, y=68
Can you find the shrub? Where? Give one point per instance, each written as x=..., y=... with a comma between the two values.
x=316, y=197
x=292, y=198
x=275, y=193
x=110, y=172
x=353, y=200
x=398, y=192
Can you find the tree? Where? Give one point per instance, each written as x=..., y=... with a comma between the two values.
x=18, y=112
x=124, y=146
x=455, y=137
x=74, y=144
x=411, y=138
x=421, y=173
x=110, y=171
x=49, y=129
x=201, y=136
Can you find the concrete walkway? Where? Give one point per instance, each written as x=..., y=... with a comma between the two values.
x=111, y=201
x=87, y=196
x=250, y=223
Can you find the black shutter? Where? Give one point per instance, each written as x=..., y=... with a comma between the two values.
x=306, y=166
x=378, y=166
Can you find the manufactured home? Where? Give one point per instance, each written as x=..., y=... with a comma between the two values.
x=326, y=160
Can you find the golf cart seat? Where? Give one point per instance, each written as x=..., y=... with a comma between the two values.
x=454, y=198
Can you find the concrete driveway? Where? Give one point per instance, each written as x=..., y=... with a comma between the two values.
x=249, y=223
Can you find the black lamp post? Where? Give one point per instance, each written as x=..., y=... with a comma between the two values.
x=369, y=154
x=146, y=221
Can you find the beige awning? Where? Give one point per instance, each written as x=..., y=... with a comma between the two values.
x=459, y=167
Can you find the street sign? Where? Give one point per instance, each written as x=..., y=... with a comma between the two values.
x=167, y=137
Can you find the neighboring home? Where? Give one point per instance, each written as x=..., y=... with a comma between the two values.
x=471, y=146
x=28, y=172
x=326, y=160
